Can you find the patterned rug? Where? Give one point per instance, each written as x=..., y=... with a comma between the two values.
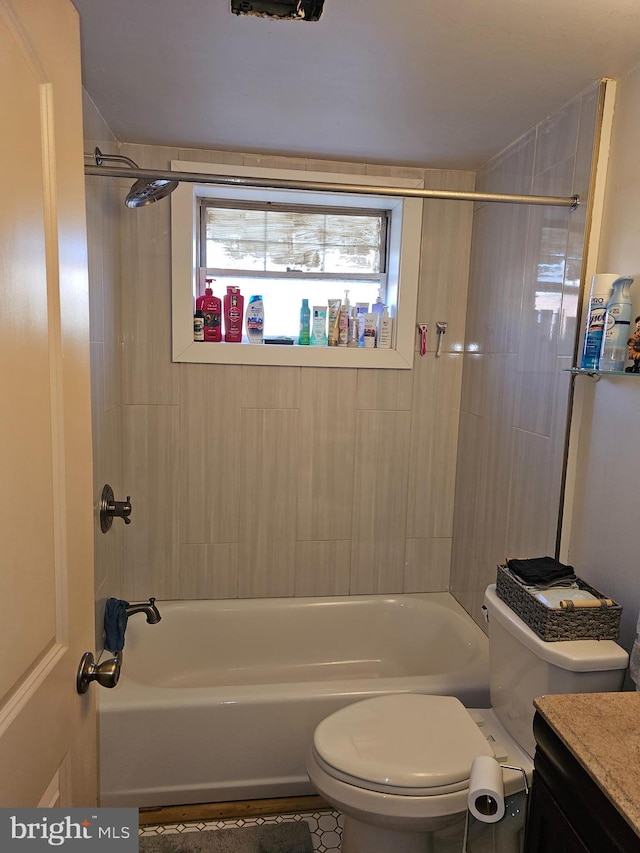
x=289, y=837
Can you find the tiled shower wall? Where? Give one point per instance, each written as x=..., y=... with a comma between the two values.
x=276, y=481
x=103, y=217
x=521, y=322
x=282, y=481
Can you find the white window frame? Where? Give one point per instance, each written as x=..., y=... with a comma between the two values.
x=405, y=231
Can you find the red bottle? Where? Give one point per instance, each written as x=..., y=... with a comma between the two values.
x=211, y=307
x=233, y=315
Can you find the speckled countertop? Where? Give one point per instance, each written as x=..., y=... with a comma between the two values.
x=602, y=730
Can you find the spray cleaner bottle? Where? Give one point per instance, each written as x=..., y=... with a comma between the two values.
x=617, y=324
x=598, y=299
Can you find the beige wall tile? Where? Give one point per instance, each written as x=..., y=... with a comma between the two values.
x=151, y=474
x=380, y=501
x=527, y=529
x=327, y=454
x=433, y=446
x=208, y=571
x=149, y=376
x=268, y=493
x=270, y=387
x=210, y=452
x=427, y=564
x=444, y=272
x=322, y=567
x=390, y=390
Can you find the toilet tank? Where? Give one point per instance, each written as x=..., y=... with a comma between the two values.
x=523, y=667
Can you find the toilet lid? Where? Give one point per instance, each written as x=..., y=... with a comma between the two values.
x=404, y=743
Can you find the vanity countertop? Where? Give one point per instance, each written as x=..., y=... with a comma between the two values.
x=602, y=730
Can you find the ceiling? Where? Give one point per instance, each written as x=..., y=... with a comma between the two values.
x=440, y=83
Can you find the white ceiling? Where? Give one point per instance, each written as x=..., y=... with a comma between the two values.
x=441, y=83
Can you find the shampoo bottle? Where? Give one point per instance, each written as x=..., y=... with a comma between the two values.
x=598, y=298
x=255, y=320
x=211, y=308
x=617, y=324
x=305, y=324
x=233, y=313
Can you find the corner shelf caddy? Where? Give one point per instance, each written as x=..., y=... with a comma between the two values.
x=596, y=374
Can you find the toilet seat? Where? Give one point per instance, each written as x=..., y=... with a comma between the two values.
x=406, y=744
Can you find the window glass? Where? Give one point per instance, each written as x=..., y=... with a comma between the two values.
x=314, y=255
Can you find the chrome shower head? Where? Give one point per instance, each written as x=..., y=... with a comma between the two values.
x=143, y=191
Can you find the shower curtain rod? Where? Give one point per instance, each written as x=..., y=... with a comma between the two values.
x=571, y=202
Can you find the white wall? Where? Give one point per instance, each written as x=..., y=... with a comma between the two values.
x=604, y=540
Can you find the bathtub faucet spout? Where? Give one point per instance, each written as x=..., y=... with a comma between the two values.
x=149, y=608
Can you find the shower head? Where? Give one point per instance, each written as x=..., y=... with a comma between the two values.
x=143, y=191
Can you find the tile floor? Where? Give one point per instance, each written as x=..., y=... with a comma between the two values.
x=325, y=826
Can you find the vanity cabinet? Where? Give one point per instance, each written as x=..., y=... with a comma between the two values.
x=568, y=811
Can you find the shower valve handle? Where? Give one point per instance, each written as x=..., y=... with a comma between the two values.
x=111, y=508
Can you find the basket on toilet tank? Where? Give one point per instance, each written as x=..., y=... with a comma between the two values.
x=557, y=623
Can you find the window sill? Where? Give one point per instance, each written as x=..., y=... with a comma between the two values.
x=293, y=356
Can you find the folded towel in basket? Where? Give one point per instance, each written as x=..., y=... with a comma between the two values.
x=541, y=571
x=115, y=624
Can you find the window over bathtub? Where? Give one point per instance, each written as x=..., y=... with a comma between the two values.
x=293, y=245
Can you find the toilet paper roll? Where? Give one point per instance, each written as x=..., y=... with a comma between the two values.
x=486, y=790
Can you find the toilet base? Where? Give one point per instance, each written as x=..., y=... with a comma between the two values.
x=359, y=837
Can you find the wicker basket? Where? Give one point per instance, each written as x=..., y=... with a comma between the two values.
x=555, y=623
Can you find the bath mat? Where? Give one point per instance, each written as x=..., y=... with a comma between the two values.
x=287, y=837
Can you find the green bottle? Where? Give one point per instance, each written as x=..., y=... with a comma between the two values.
x=305, y=324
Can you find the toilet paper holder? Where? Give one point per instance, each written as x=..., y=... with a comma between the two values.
x=493, y=808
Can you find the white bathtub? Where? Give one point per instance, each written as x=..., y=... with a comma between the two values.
x=220, y=699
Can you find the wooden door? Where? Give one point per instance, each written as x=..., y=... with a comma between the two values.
x=47, y=730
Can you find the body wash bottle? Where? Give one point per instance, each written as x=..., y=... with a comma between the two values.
x=305, y=324
x=233, y=312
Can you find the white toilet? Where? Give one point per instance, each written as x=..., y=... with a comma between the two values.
x=398, y=765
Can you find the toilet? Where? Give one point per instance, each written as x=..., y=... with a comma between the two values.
x=397, y=766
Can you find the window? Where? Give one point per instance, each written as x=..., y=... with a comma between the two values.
x=292, y=244
x=286, y=253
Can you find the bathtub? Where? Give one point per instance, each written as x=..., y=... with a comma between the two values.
x=220, y=699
